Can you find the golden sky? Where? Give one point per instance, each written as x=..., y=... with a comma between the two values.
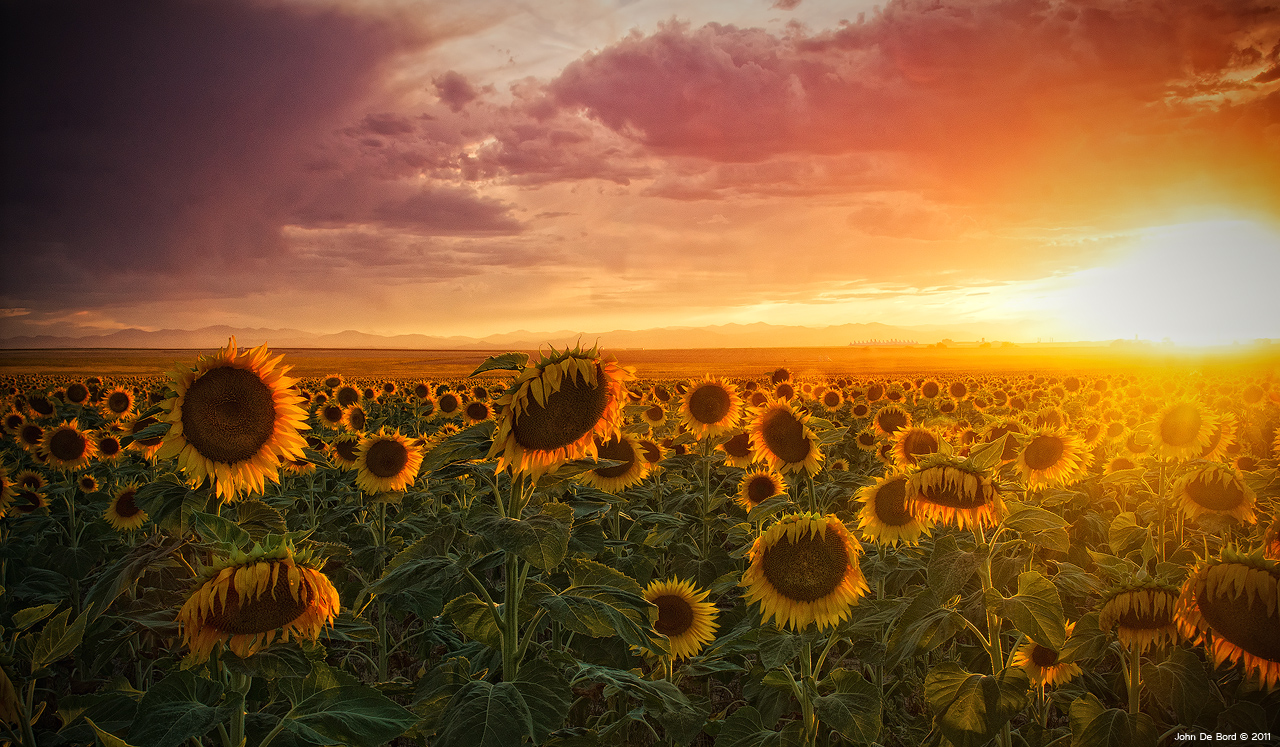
x=1020, y=169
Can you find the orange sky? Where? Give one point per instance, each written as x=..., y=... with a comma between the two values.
x=1067, y=169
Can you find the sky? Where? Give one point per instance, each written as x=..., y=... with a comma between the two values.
x=1069, y=169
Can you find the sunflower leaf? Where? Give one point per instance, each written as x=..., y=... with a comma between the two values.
x=216, y=529
x=1125, y=534
x=483, y=714
x=987, y=456
x=541, y=540
x=107, y=738
x=179, y=707
x=971, y=708
x=504, y=362
x=604, y=611
x=353, y=715
x=745, y=728
x=57, y=639
x=1096, y=726
x=1181, y=684
x=473, y=617
x=853, y=709
x=1036, y=610
x=23, y=619
x=950, y=568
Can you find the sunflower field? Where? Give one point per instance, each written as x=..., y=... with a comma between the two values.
x=555, y=551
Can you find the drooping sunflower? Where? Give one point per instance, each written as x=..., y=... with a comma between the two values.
x=41, y=405
x=354, y=418
x=803, y=570
x=27, y=501
x=555, y=409
x=623, y=448
x=1141, y=613
x=887, y=517
x=386, y=461
x=118, y=403
x=951, y=490
x=781, y=437
x=891, y=419
x=1051, y=456
x=67, y=447
x=246, y=605
x=710, y=408
x=1231, y=605
x=684, y=616
x=758, y=486
x=232, y=419
x=909, y=444
x=1215, y=488
x=1043, y=665
x=1182, y=430
x=123, y=513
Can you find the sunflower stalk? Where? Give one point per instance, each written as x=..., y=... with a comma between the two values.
x=806, y=688
x=1134, y=678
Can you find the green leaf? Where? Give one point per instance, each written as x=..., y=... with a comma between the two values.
x=283, y=660
x=542, y=540
x=57, y=640
x=1036, y=611
x=1087, y=640
x=259, y=519
x=950, y=568
x=473, y=617
x=971, y=707
x=212, y=528
x=434, y=691
x=504, y=362
x=681, y=719
x=590, y=573
x=776, y=647
x=1124, y=534
x=745, y=728
x=605, y=611
x=1039, y=526
x=179, y=707
x=768, y=507
x=23, y=619
x=1095, y=726
x=483, y=714
x=987, y=456
x=468, y=444
x=1182, y=684
x=923, y=626
x=853, y=709
x=124, y=573
x=107, y=738
x=416, y=573
x=353, y=715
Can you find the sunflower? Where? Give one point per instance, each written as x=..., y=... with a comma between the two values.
x=651, y=452
x=758, y=486
x=865, y=440
x=27, y=501
x=930, y=389
x=477, y=412
x=41, y=405
x=386, y=461
x=1050, y=417
x=784, y=392
x=118, y=403
x=1222, y=438
x=232, y=419
x=13, y=420
x=354, y=418
x=804, y=569
x=654, y=416
x=781, y=437
x=839, y=464
x=1119, y=463
x=422, y=390
x=958, y=390
x=710, y=408
x=247, y=604
x=448, y=404
x=887, y=517
x=330, y=415
x=684, y=617
x=1182, y=430
x=298, y=467
x=737, y=450
x=1051, y=456
x=149, y=446
x=660, y=393
x=779, y=375
x=1141, y=613
x=1042, y=665
x=620, y=448
x=332, y=381
x=1215, y=488
x=29, y=479
x=1232, y=606
x=68, y=448
x=891, y=419
x=123, y=513
x=87, y=483
x=7, y=492
x=556, y=408
x=831, y=400
x=859, y=410
x=346, y=395
x=909, y=444
x=947, y=489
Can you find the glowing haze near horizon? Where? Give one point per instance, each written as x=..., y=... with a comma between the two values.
x=1074, y=169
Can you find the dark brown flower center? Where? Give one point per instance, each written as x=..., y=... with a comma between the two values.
x=761, y=488
x=386, y=458
x=654, y=414
x=958, y=389
x=918, y=442
x=1043, y=656
x=67, y=444
x=228, y=414
x=331, y=413
x=119, y=402
x=77, y=393
x=1043, y=452
x=570, y=413
x=675, y=615
x=346, y=449
x=652, y=454
x=125, y=506
x=874, y=392
x=709, y=403
x=332, y=381
x=1180, y=425
x=890, y=503
x=784, y=436
x=41, y=404
x=618, y=451
x=784, y=391
x=347, y=395
x=356, y=418
x=1209, y=492
x=891, y=420
x=808, y=569
x=930, y=389
x=274, y=609
x=831, y=399
x=739, y=446
x=477, y=411
x=421, y=391
x=448, y=403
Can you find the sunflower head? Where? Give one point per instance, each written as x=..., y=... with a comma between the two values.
x=886, y=516
x=386, y=461
x=247, y=601
x=123, y=512
x=1051, y=456
x=623, y=448
x=1215, y=488
x=232, y=419
x=1141, y=613
x=66, y=447
x=910, y=444
x=555, y=409
x=1232, y=606
x=354, y=418
x=781, y=436
x=865, y=440
x=1182, y=430
x=891, y=419
x=737, y=450
x=831, y=400
x=330, y=415
x=758, y=486
x=804, y=570
x=683, y=616
x=1043, y=665
x=87, y=483
x=477, y=411
x=710, y=408
x=118, y=403
x=953, y=490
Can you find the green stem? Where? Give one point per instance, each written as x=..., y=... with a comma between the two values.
x=239, y=683
x=1161, y=502
x=1135, y=678
x=706, y=499
x=383, y=642
x=813, y=497
x=806, y=703
x=511, y=619
x=28, y=732
x=266, y=741
x=822, y=658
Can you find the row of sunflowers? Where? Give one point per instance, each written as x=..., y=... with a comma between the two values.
x=557, y=552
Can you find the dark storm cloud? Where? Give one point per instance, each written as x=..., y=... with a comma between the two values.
x=151, y=138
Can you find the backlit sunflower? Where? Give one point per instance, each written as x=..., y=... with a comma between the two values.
x=448, y=405
x=891, y=419
x=1042, y=663
x=1182, y=430
x=249, y=602
x=355, y=419
x=784, y=392
x=118, y=403
x=654, y=416
x=29, y=479
x=232, y=419
x=346, y=395
x=67, y=447
x=1232, y=606
x=865, y=440
x=1051, y=456
x=859, y=410
x=386, y=461
x=684, y=616
x=758, y=486
x=1119, y=463
x=909, y=444
x=27, y=501
x=737, y=450
x=123, y=513
x=1141, y=613
x=839, y=464
x=951, y=490
x=930, y=389
x=332, y=381
x=13, y=420
x=109, y=449
x=710, y=408
x=651, y=452
x=555, y=409
x=623, y=448
x=149, y=446
x=330, y=415
x=477, y=412
x=831, y=400
x=1215, y=488
x=781, y=437
x=422, y=390
x=803, y=570
x=1222, y=438
x=887, y=517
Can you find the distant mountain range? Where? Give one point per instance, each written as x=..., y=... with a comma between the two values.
x=720, y=336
